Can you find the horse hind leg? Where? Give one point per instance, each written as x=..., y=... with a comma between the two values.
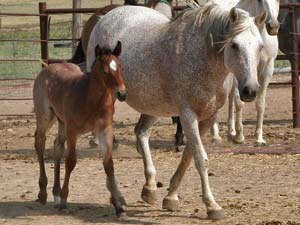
x=106, y=143
x=179, y=142
x=59, y=147
x=171, y=201
x=70, y=164
x=142, y=132
x=44, y=120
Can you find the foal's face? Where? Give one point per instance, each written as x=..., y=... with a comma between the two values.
x=113, y=77
x=272, y=8
x=111, y=70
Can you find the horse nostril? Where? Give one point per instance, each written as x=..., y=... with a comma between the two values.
x=248, y=94
x=122, y=95
x=246, y=91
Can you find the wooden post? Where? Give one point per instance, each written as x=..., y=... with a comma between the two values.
x=0, y=18
x=44, y=32
x=76, y=24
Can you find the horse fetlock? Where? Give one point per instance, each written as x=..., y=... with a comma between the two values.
x=57, y=201
x=149, y=195
x=171, y=203
x=42, y=197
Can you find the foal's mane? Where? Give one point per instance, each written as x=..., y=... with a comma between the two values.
x=214, y=23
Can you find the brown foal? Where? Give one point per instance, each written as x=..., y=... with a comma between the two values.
x=81, y=103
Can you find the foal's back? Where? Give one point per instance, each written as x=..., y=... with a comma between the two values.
x=53, y=84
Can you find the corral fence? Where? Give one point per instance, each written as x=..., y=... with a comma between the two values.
x=44, y=30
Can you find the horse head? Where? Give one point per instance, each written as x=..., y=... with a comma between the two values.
x=272, y=8
x=242, y=51
x=110, y=68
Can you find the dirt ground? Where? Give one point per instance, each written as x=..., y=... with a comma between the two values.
x=254, y=185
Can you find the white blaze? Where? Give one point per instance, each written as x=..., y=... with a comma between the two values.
x=113, y=65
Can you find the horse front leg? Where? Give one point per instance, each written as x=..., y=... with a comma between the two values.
x=264, y=80
x=106, y=143
x=171, y=201
x=59, y=147
x=191, y=128
x=142, y=132
x=70, y=164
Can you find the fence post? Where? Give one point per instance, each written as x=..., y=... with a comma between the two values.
x=76, y=24
x=295, y=67
x=44, y=32
x=0, y=17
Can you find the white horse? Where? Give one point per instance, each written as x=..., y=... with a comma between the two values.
x=265, y=68
x=181, y=67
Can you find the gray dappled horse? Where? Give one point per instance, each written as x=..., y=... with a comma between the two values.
x=181, y=67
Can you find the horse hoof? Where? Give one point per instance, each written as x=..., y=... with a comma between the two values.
x=170, y=204
x=180, y=148
x=258, y=144
x=93, y=144
x=215, y=214
x=62, y=206
x=42, y=198
x=120, y=212
x=217, y=140
x=148, y=196
x=238, y=140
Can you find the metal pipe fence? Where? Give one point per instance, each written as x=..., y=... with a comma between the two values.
x=44, y=27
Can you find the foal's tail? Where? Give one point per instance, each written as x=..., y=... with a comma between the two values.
x=79, y=56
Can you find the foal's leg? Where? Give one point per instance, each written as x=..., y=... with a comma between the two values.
x=59, y=147
x=106, y=143
x=142, y=132
x=264, y=80
x=190, y=126
x=44, y=120
x=70, y=164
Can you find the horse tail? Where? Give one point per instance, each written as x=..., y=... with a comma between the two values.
x=79, y=55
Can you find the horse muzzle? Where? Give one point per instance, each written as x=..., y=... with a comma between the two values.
x=248, y=93
x=273, y=28
x=122, y=95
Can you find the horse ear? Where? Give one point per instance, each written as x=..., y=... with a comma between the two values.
x=98, y=51
x=233, y=15
x=261, y=19
x=118, y=49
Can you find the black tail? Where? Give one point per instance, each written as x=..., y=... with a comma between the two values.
x=79, y=56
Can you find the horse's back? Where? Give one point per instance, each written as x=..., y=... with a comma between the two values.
x=118, y=24
x=53, y=82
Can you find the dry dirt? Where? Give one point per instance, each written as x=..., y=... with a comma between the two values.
x=254, y=185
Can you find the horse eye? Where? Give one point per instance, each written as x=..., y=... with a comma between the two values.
x=235, y=46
